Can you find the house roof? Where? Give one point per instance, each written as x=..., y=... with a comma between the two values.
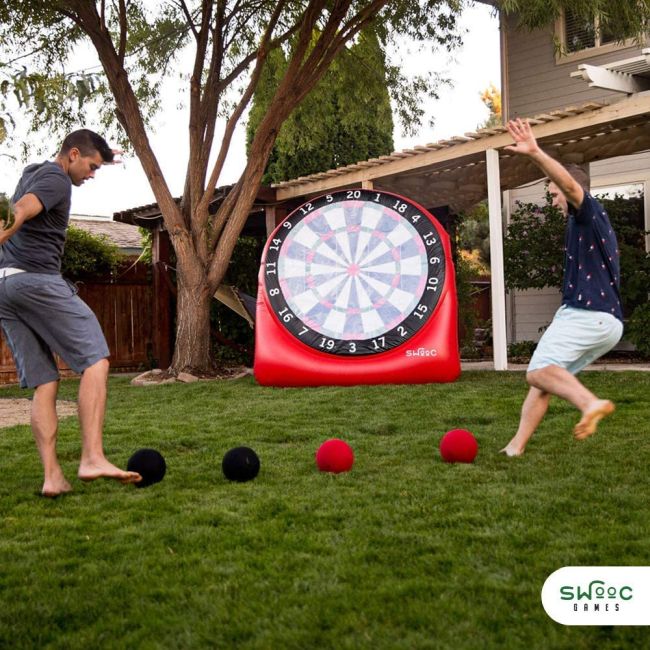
x=149, y=216
x=125, y=236
x=453, y=171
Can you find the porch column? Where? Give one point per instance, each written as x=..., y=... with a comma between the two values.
x=499, y=339
x=274, y=214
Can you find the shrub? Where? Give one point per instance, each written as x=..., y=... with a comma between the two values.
x=86, y=255
x=467, y=319
x=626, y=217
x=522, y=349
x=638, y=329
x=533, y=247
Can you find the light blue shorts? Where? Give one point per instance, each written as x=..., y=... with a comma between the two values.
x=576, y=338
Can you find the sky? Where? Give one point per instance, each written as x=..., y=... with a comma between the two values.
x=473, y=67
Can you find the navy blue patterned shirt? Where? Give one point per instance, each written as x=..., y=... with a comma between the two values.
x=591, y=260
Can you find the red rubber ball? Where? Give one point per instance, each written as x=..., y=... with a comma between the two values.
x=458, y=446
x=335, y=456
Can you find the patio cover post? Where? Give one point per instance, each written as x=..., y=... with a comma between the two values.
x=499, y=340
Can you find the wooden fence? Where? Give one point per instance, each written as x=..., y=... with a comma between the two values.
x=124, y=308
x=136, y=324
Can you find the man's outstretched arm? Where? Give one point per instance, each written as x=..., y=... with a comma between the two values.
x=526, y=144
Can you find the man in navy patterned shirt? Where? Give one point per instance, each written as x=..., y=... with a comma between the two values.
x=590, y=321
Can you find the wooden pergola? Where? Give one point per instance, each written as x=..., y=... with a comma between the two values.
x=461, y=171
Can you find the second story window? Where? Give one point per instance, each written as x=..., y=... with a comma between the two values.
x=580, y=33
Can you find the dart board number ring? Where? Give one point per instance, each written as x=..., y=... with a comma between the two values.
x=355, y=272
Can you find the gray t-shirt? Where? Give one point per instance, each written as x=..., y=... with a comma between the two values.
x=37, y=246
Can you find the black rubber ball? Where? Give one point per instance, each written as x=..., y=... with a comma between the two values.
x=240, y=464
x=150, y=464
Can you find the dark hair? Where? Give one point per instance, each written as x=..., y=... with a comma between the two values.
x=580, y=175
x=88, y=142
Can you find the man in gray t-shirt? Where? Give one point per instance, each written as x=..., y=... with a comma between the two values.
x=41, y=315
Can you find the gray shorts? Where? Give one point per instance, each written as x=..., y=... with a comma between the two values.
x=42, y=314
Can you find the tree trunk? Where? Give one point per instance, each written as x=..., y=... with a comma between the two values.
x=192, y=352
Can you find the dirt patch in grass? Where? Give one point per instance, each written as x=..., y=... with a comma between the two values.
x=15, y=411
x=156, y=377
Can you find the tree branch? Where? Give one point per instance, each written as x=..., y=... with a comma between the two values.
x=84, y=15
x=334, y=44
x=210, y=99
x=188, y=18
x=300, y=78
x=281, y=106
x=195, y=175
x=123, y=29
x=262, y=53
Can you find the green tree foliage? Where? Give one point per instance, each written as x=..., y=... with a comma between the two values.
x=474, y=232
x=42, y=97
x=638, y=329
x=6, y=216
x=346, y=118
x=626, y=216
x=622, y=18
x=467, y=318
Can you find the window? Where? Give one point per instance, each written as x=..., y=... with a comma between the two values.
x=578, y=37
x=580, y=33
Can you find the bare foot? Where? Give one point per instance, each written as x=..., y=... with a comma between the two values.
x=511, y=451
x=591, y=417
x=53, y=487
x=101, y=468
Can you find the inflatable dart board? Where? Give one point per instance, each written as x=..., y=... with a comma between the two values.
x=357, y=287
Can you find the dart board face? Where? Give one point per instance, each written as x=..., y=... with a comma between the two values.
x=355, y=272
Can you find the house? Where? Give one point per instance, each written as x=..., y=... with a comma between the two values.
x=537, y=78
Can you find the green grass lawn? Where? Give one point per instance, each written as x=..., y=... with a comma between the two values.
x=404, y=551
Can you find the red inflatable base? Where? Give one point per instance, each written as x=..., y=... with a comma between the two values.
x=431, y=355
